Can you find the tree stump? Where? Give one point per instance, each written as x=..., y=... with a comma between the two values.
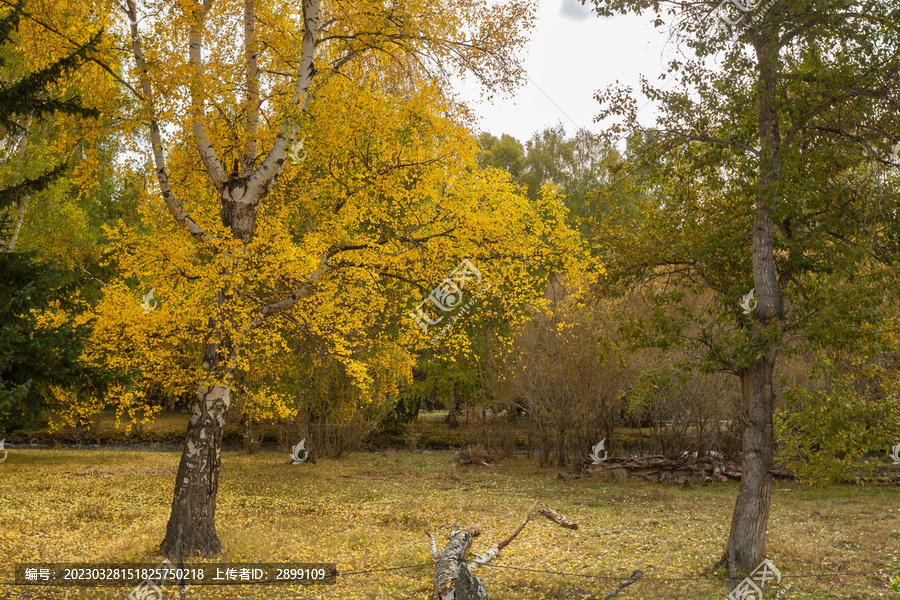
x=452, y=578
x=450, y=567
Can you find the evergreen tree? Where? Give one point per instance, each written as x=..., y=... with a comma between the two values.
x=31, y=95
x=34, y=355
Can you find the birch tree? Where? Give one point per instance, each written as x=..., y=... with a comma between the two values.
x=249, y=108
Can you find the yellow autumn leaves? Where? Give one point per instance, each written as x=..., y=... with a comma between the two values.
x=388, y=198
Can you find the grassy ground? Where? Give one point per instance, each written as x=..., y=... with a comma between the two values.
x=368, y=510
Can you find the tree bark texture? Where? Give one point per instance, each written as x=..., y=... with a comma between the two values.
x=193, y=516
x=452, y=579
x=747, y=539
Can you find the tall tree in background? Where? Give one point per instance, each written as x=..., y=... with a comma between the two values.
x=768, y=165
x=27, y=99
x=579, y=165
x=36, y=352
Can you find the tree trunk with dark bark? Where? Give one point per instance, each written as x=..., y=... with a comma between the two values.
x=747, y=540
x=193, y=517
x=453, y=414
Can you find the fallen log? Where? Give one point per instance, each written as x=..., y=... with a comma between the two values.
x=658, y=468
x=452, y=578
x=450, y=566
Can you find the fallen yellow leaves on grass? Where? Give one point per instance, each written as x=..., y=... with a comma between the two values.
x=369, y=511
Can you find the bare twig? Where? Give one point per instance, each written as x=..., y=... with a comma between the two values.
x=435, y=555
x=519, y=529
x=547, y=512
x=634, y=577
x=558, y=518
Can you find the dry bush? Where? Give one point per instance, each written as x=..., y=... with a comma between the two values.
x=495, y=432
x=330, y=440
x=681, y=411
x=572, y=373
x=562, y=376
x=474, y=455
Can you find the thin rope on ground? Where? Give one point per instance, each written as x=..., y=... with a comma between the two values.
x=339, y=574
x=705, y=578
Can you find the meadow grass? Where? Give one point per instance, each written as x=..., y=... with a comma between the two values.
x=369, y=510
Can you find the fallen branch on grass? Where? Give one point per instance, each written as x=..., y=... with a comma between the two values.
x=452, y=578
x=634, y=577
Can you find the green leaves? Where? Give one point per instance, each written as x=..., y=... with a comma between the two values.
x=840, y=429
x=35, y=350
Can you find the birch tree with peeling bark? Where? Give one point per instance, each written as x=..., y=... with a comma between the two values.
x=291, y=204
x=453, y=579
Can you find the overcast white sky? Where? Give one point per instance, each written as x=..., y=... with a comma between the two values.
x=572, y=54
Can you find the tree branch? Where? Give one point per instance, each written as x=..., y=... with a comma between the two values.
x=251, y=49
x=634, y=577
x=693, y=137
x=204, y=147
x=155, y=135
x=263, y=178
x=301, y=292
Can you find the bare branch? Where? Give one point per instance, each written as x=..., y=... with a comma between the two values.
x=204, y=147
x=521, y=526
x=694, y=137
x=302, y=292
x=634, y=577
x=263, y=178
x=559, y=519
x=251, y=49
x=490, y=554
x=435, y=555
x=155, y=135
